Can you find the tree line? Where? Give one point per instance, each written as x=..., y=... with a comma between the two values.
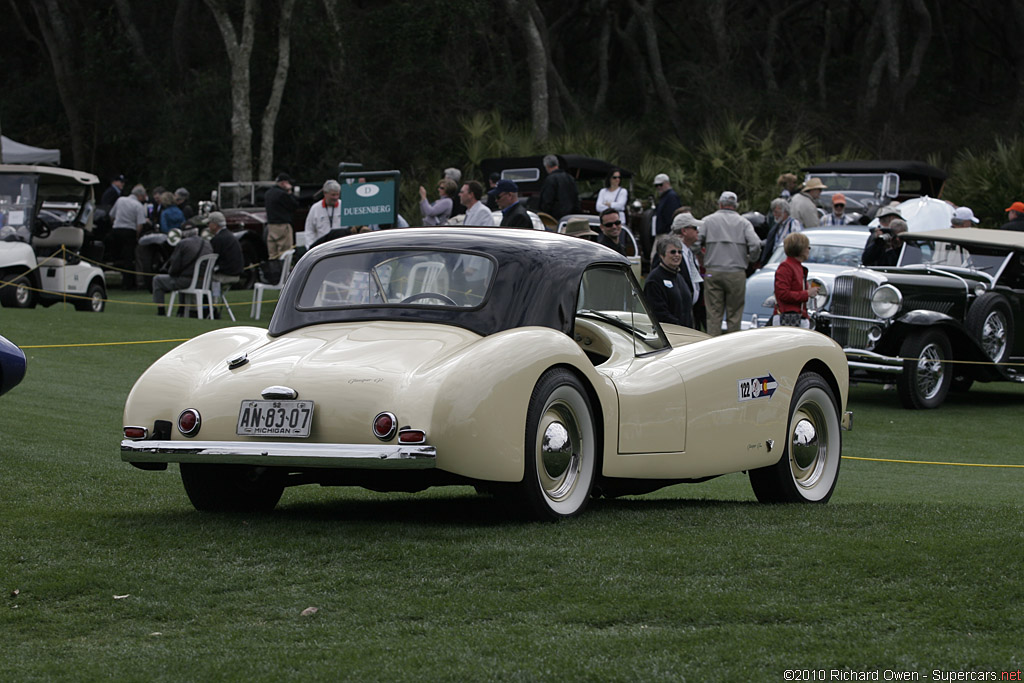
x=192, y=92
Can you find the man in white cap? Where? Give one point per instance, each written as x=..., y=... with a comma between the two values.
x=731, y=244
x=963, y=217
x=668, y=202
x=803, y=206
x=688, y=229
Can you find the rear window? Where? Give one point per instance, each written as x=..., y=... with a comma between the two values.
x=447, y=279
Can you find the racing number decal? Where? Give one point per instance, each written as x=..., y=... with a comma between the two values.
x=756, y=387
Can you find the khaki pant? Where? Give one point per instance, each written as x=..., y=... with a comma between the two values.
x=279, y=239
x=724, y=294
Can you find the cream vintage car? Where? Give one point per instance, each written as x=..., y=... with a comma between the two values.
x=524, y=363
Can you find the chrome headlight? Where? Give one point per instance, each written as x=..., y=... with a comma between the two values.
x=818, y=301
x=886, y=301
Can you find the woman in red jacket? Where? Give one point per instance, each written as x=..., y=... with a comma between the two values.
x=791, y=290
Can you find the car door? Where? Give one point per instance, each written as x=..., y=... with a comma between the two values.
x=651, y=393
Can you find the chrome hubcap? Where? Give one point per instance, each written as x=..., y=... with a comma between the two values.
x=930, y=371
x=808, y=445
x=993, y=335
x=559, y=451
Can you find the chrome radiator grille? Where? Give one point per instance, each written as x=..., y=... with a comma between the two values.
x=851, y=296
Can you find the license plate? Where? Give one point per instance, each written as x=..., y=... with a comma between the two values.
x=275, y=418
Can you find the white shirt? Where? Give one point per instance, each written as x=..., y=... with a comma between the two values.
x=608, y=199
x=691, y=266
x=479, y=214
x=128, y=213
x=321, y=220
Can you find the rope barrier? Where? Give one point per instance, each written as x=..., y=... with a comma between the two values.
x=927, y=462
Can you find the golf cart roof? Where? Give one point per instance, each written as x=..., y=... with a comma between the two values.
x=52, y=172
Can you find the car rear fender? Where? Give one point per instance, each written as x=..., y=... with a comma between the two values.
x=479, y=420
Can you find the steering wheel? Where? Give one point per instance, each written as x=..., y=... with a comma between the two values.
x=428, y=295
x=42, y=230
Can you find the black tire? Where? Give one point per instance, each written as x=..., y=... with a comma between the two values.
x=561, y=448
x=97, y=299
x=990, y=322
x=232, y=488
x=926, y=377
x=18, y=294
x=808, y=470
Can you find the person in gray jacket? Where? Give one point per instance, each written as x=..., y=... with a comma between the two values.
x=803, y=206
x=731, y=244
x=182, y=263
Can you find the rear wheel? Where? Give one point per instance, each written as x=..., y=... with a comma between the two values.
x=990, y=322
x=560, y=449
x=18, y=294
x=809, y=467
x=96, y=301
x=927, y=374
x=232, y=488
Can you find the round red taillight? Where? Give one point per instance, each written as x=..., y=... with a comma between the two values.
x=189, y=421
x=384, y=426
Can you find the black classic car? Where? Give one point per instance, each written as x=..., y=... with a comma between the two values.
x=948, y=315
x=869, y=185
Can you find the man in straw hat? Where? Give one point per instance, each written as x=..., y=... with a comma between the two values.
x=804, y=205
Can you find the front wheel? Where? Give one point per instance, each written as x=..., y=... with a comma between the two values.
x=809, y=467
x=232, y=488
x=96, y=301
x=927, y=374
x=17, y=294
x=560, y=450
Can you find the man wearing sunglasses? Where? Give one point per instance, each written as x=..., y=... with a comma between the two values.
x=838, y=215
x=611, y=231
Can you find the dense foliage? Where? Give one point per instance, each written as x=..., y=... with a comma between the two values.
x=723, y=93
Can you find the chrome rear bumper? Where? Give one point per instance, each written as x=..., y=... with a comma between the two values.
x=267, y=454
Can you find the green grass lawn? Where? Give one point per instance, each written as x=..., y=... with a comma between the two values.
x=909, y=567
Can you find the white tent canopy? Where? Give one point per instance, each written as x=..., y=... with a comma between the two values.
x=13, y=152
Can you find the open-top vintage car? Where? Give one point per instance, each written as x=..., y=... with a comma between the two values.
x=947, y=315
x=524, y=363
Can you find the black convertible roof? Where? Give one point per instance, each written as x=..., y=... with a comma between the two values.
x=538, y=277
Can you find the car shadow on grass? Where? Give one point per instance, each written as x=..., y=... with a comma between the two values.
x=426, y=510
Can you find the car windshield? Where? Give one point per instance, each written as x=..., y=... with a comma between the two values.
x=835, y=254
x=860, y=182
x=948, y=254
x=395, y=278
x=17, y=199
x=608, y=294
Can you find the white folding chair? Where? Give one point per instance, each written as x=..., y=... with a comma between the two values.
x=200, y=289
x=260, y=287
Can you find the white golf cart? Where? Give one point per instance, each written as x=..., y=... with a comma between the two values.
x=46, y=214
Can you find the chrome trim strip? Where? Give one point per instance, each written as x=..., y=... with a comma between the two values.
x=874, y=367
x=268, y=453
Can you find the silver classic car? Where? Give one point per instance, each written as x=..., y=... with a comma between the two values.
x=524, y=363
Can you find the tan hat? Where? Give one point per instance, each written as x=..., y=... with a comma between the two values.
x=815, y=184
x=579, y=227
